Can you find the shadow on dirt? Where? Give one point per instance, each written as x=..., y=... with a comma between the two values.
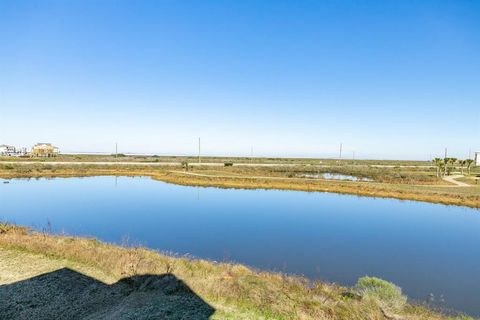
x=67, y=294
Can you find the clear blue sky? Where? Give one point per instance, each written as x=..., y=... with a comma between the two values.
x=389, y=79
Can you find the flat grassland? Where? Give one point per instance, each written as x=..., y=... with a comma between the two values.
x=51, y=276
x=209, y=159
x=406, y=180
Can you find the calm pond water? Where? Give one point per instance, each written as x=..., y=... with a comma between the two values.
x=424, y=248
x=333, y=176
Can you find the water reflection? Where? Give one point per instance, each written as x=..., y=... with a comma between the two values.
x=424, y=248
x=332, y=176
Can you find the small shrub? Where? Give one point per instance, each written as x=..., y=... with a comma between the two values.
x=228, y=164
x=386, y=293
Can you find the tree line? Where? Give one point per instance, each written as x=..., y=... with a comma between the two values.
x=446, y=165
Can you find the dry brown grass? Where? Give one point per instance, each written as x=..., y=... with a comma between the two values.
x=234, y=290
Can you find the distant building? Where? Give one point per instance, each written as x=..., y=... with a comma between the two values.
x=477, y=158
x=44, y=150
x=11, y=151
x=6, y=150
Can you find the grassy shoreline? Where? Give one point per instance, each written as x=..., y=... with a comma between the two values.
x=418, y=189
x=235, y=291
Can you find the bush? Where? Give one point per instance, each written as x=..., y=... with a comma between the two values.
x=228, y=164
x=386, y=293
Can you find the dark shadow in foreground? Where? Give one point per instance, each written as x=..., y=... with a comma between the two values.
x=67, y=294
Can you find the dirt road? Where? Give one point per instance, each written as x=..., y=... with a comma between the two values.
x=451, y=179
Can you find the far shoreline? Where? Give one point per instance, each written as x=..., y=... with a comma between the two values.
x=422, y=193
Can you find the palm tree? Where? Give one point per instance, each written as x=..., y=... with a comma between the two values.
x=462, y=163
x=446, y=161
x=469, y=163
x=438, y=163
x=449, y=164
x=452, y=164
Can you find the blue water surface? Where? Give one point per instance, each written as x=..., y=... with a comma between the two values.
x=423, y=248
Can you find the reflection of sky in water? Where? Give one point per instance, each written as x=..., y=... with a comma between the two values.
x=332, y=176
x=422, y=247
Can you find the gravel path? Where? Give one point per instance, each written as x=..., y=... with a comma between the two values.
x=452, y=180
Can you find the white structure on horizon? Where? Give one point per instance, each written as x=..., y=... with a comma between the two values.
x=11, y=151
x=6, y=150
x=477, y=158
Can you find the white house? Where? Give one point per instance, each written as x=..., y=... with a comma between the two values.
x=477, y=158
x=6, y=150
x=12, y=151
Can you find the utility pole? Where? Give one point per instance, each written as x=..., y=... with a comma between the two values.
x=116, y=149
x=199, y=150
x=446, y=163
